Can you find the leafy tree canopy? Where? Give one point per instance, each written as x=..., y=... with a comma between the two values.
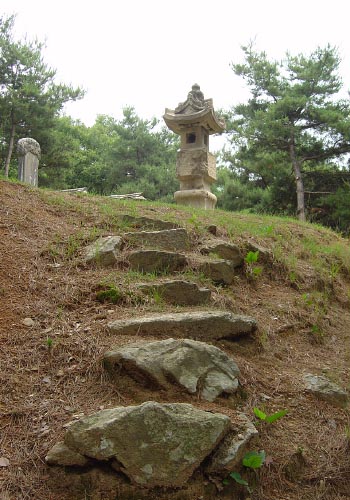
x=293, y=119
x=30, y=100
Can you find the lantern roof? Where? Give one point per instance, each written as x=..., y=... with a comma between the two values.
x=194, y=112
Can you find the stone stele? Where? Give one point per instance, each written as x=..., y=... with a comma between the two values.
x=28, y=151
x=194, y=120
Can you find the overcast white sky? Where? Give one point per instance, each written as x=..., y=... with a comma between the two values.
x=148, y=53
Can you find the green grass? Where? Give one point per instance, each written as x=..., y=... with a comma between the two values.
x=288, y=239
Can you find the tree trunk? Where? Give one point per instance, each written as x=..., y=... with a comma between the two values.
x=299, y=183
x=10, y=149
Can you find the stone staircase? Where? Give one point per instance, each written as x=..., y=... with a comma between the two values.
x=161, y=445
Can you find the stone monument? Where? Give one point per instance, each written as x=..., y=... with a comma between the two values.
x=28, y=151
x=194, y=120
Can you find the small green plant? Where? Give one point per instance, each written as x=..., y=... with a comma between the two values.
x=59, y=312
x=194, y=221
x=347, y=433
x=252, y=460
x=252, y=270
x=257, y=271
x=269, y=418
x=317, y=334
x=293, y=277
x=251, y=257
x=49, y=343
x=239, y=479
x=334, y=270
x=267, y=230
x=157, y=296
x=110, y=294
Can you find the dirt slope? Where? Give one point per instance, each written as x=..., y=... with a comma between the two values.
x=51, y=370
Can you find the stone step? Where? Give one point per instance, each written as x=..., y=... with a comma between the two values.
x=200, y=325
x=148, y=223
x=168, y=239
x=197, y=367
x=224, y=250
x=155, y=444
x=220, y=271
x=178, y=292
x=149, y=261
x=104, y=251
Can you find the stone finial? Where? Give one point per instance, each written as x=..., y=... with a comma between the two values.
x=28, y=145
x=195, y=101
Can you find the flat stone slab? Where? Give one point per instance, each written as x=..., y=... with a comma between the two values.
x=230, y=452
x=220, y=271
x=149, y=261
x=199, y=368
x=168, y=239
x=200, y=325
x=148, y=223
x=324, y=389
x=224, y=250
x=178, y=292
x=105, y=251
x=153, y=444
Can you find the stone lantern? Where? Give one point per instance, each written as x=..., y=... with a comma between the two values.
x=195, y=120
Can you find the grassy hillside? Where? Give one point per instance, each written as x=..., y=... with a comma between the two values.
x=298, y=291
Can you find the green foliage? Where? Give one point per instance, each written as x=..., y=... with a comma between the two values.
x=30, y=100
x=334, y=209
x=252, y=270
x=292, y=122
x=114, y=157
x=110, y=294
x=269, y=418
x=238, y=478
x=251, y=257
x=49, y=342
x=254, y=459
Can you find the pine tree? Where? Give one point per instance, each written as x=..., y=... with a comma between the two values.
x=29, y=97
x=293, y=115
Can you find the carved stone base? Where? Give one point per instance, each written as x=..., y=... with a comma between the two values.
x=197, y=198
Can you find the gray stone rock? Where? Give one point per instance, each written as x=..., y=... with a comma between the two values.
x=198, y=367
x=178, y=292
x=155, y=444
x=224, y=250
x=265, y=255
x=28, y=322
x=324, y=389
x=149, y=261
x=60, y=454
x=200, y=325
x=168, y=239
x=148, y=223
x=219, y=270
x=234, y=446
x=104, y=251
